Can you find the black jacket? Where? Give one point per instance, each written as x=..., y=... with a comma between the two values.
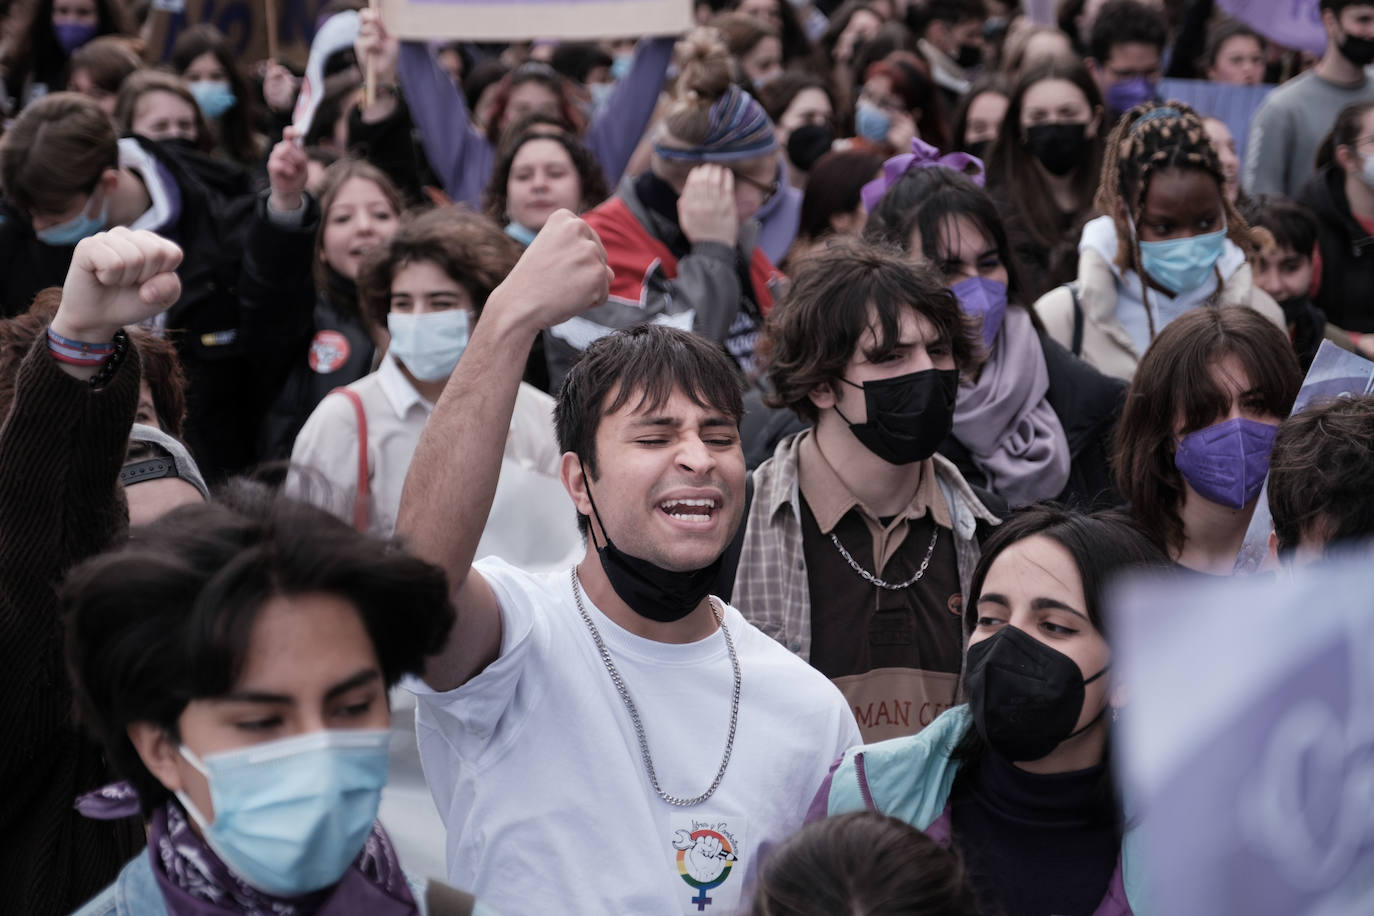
x=307, y=342
x=1088, y=404
x=1347, y=290
x=223, y=400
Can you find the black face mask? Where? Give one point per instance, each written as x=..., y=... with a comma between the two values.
x=969, y=56
x=1025, y=697
x=908, y=416
x=980, y=149
x=1359, y=51
x=652, y=592
x=1060, y=148
x=809, y=143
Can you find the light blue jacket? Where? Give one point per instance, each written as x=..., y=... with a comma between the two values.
x=911, y=778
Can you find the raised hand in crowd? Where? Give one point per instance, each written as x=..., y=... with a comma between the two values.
x=287, y=173
x=378, y=48
x=117, y=278
x=279, y=86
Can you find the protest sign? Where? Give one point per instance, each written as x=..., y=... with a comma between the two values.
x=518, y=20
x=245, y=23
x=1291, y=23
x=1234, y=105
x=337, y=33
x=1335, y=373
x=1246, y=742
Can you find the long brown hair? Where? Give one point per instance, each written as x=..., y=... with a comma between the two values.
x=1013, y=170
x=1174, y=384
x=335, y=177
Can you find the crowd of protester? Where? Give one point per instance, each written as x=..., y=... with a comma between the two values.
x=701, y=461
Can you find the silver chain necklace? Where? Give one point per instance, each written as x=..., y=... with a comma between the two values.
x=634, y=712
x=879, y=582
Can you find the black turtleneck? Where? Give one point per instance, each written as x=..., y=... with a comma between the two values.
x=1035, y=845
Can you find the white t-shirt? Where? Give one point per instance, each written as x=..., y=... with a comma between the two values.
x=536, y=770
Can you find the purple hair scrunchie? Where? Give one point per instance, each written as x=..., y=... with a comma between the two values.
x=922, y=156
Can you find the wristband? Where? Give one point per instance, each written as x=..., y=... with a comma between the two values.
x=77, y=352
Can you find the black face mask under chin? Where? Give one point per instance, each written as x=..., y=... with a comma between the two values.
x=908, y=416
x=1025, y=697
x=652, y=592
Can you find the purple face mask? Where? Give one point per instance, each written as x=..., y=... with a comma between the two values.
x=1122, y=97
x=72, y=35
x=1226, y=463
x=982, y=298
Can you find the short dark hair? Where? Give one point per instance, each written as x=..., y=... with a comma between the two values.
x=474, y=252
x=1337, y=6
x=953, y=12
x=1121, y=22
x=1290, y=223
x=1321, y=473
x=863, y=862
x=923, y=200
x=168, y=617
x=574, y=59
x=835, y=183
x=1222, y=31
x=648, y=362
x=538, y=126
x=810, y=336
x=1173, y=381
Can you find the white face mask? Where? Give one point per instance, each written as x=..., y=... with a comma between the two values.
x=1367, y=170
x=429, y=344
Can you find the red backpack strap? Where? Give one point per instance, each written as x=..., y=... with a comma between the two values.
x=360, y=499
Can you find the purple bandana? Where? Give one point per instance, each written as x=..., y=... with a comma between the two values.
x=194, y=882
x=922, y=156
x=740, y=129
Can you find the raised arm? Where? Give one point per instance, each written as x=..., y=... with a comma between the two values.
x=458, y=153
x=618, y=127
x=452, y=479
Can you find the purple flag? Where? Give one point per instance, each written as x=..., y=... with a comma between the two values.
x=1291, y=23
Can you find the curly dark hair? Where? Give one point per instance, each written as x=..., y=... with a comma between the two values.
x=1321, y=473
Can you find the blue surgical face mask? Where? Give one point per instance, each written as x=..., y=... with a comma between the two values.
x=982, y=298
x=214, y=97
x=1181, y=265
x=292, y=815
x=601, y=94
x=871, y=122
x=77, y=228
x=620, y=67
x=429, y=344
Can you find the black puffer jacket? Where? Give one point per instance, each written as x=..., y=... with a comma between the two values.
x=1088, y=405
x=1347, y=290
x=214, y=205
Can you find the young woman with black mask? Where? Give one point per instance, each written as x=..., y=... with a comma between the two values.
x=1027, y=800
x=1044, y=167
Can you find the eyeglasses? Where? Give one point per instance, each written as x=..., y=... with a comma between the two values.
x=769, y=190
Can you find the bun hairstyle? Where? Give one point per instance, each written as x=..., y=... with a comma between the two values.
x=705, y=73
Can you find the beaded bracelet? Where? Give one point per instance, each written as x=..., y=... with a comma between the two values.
x=78, y=352
x=119, y=349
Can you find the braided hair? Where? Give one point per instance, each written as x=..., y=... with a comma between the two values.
x=1149, y=139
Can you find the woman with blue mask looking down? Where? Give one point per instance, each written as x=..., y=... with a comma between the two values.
x=424, y=291
x=1018, y=780
x=1170, y=242
x=1031, y=422
x=1192, y=449
x=233, y=659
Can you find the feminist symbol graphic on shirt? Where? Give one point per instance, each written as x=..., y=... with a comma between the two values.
x=705, y=858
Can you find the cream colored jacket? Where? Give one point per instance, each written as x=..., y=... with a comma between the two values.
x=1106, y=344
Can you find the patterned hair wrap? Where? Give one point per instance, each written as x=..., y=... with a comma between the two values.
x=740, y=129
x=922, y=156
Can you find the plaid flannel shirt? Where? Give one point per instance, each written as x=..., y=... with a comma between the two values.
x=771, y=586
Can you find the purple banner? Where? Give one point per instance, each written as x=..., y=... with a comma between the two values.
x=1291, y=23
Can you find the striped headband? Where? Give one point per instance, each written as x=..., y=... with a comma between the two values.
x=1155, y=114
x=740, y=129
